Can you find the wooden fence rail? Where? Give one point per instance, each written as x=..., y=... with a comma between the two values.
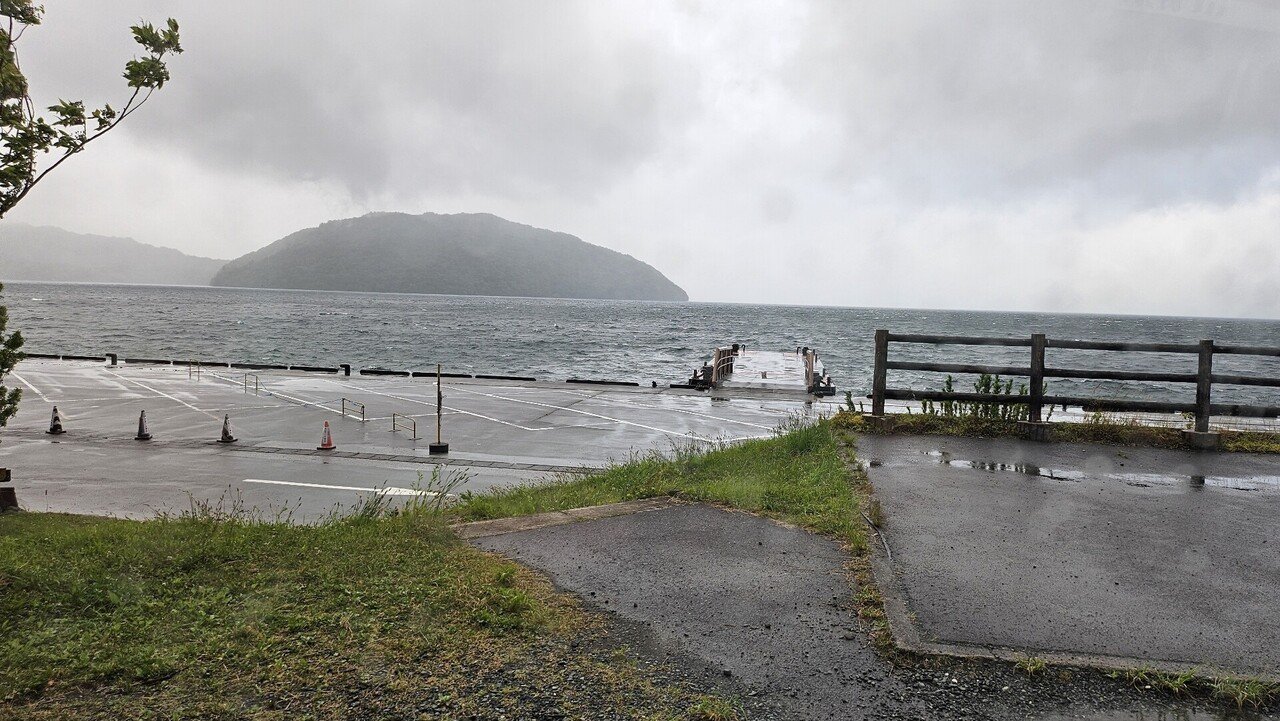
x=1204, y=378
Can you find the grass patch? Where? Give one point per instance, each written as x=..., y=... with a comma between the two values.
x=799, y=476
x=217, y=616
x=1031, y=665
x=1099, y=428
x=711, y=708
x=1251, y=442
x=1240, y=691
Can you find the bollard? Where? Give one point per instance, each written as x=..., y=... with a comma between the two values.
x=113, y=358
x=346, y=368
x=8, y=496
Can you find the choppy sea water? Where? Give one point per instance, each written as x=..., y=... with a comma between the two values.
x=616, y=340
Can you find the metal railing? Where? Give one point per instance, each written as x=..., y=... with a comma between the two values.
x=257, y=383
x=1204, y=377
x=399, y=421
x=347, y=402
x=722, y=363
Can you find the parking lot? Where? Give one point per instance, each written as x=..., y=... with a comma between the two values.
x=500, y=432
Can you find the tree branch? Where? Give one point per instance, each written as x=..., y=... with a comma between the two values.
x=88, y=139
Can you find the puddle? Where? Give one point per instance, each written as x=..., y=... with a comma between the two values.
x=1136, y=480
x=1028, y=469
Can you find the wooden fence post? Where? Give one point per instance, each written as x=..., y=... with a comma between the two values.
x=1204, y=386
x=880, y=376
x=1037, y=377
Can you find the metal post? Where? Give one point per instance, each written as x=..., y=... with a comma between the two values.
x=880, y=376
x=439, y=447
x=1204, y=386
x=1037, y=377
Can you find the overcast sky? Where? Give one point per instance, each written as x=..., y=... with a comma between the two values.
x=1119, y=156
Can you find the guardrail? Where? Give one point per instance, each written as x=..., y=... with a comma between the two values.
x=1202, y=407
x=354, y=405
x=399, y=421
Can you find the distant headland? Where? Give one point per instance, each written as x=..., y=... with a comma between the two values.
x=462, y=254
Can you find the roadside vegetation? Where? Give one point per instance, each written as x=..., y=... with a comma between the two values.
x=1096, y=428
x=1242, y=692
x=225, y=615
x=800, y=476
x=990, y=420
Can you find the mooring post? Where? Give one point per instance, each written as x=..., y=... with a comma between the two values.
x=1204, y=386
x=880, y=375
x=1037, y=377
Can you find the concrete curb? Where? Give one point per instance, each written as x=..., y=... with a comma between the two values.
x=499, y=526
x=907, y=637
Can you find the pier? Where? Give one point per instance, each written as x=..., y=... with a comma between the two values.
x=736, y=367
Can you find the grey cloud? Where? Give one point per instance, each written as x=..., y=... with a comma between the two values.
x=505, y=98
x=889, y=152
x=993, y=96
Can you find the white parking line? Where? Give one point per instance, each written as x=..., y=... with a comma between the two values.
x=585, y=413
x=678, y=434
x=27, y=383
x=161, y=393
x=388, y=490
x=294, y=399
x=432, y=404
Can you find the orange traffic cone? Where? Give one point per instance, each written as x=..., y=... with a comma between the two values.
x=55, y=423
x=226, y=430
x=326, y=441
x=144, y=433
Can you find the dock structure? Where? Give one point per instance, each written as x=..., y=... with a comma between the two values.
x=736, y=367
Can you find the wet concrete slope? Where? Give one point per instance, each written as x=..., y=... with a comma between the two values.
x=1143, y=553
x=765, y=603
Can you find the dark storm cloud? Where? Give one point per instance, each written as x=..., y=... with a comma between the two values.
x=503, y=97
x=991, y=97
x=508, y=98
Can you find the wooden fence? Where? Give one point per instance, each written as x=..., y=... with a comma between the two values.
x=1204, y=378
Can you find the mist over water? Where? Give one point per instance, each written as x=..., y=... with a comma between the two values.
x=556, y=339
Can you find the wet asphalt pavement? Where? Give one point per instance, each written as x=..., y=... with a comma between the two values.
x=1142, y=553
x=766, y=612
